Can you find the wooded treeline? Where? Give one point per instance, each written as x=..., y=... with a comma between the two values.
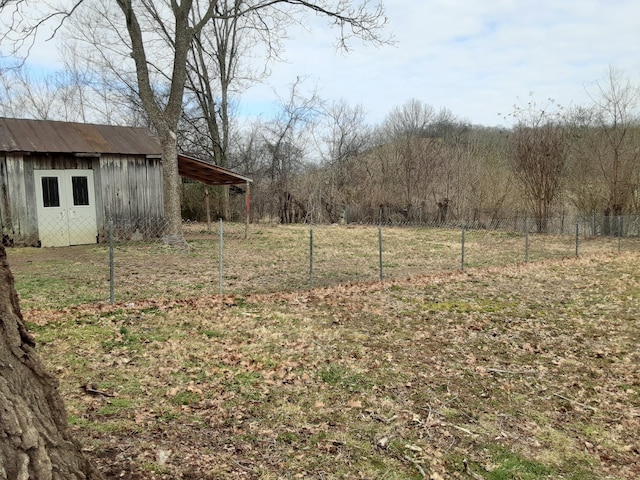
x=323, y=162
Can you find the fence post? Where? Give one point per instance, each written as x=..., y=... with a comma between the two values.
x=220, y=255
x=577, y=237
x=112, y=294
x=619, y=232
x=380, y=250
x=380, y=243
x=310, y=255
x=247, y=209
x=526, y=240
x=462, y=259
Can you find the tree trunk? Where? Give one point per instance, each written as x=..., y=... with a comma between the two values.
x=34, y=441
x=171, y=190
x=224, y=202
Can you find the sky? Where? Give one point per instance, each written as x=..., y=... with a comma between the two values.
x=476, y=58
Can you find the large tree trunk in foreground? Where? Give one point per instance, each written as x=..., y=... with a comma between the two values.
x=34, y=441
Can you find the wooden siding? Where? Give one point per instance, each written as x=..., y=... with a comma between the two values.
x=131, y=187
x=17, y=201
x=132, y=195
x=128, y=189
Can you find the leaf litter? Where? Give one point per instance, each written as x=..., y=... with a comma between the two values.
x=525, y=371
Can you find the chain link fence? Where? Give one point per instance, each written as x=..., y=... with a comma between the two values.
x=562, y=224
x=135, y=261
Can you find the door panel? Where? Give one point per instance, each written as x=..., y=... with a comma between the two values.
x=66, y=207
x=82, y=209
x=53, y=226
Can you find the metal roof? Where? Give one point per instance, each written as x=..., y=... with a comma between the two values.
x=204, y=172
x=45, y=136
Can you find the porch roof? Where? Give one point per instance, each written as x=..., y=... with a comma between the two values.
x=208, y=173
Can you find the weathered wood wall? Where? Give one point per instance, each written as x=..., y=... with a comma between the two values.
x=131, y=195
x=128, y=190
x=18, y=219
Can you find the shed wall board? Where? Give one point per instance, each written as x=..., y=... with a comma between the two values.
x=132, y=187
x=132, y=193
x=17, y=211
x=128, y=188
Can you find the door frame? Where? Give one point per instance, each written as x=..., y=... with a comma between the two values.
x=67, y=223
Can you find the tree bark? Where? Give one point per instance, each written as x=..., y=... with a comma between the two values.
x=171, y=191
x=34, y=440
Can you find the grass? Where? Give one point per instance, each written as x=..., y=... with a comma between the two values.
x=522, y=371
x=272, y=259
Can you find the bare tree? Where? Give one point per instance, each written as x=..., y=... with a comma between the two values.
x=231, y=53
x=285, y=140
x=586, y=187
x=346, y=138
x=457, y=168
x=605, y=158
x=614, y=142
x=179, y=32
x=416, y=145
x=491, y=189
x=275, y=153
x=539, y=152
x=250, y=157
x=159, y=38
x=72, y=94
x=40, y=96
x=222, y=63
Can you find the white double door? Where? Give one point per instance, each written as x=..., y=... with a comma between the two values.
x=66, y=207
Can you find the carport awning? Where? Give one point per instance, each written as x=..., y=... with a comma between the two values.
x=208, y=173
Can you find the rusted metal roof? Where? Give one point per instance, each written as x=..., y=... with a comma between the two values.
x=44, y=136
x=204, y=172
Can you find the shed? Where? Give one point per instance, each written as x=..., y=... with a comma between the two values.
x=62, y=182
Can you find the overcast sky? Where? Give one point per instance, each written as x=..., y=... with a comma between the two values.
x=477, y=58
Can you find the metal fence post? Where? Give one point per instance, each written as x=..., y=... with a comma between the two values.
x=112, y=294
x=220, y=255
x=619, y=232
x=577, y=237
x=380, y=243
x=380, y=250
x=462, y=257
x=526, y=240
x=311, y=255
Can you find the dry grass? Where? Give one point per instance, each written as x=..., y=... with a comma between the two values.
x=515, y=372
x=273, y=259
